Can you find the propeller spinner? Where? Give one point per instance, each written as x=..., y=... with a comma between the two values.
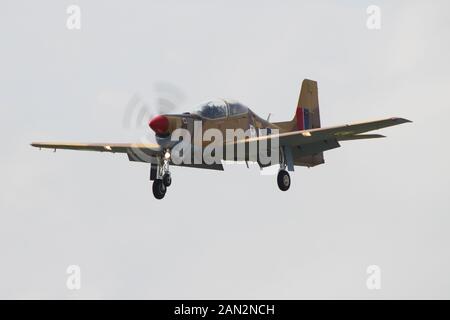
x=159, y=124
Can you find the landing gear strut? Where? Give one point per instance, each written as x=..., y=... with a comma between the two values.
x=161, y=177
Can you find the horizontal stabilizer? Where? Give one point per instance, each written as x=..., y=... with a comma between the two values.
x=360, y=137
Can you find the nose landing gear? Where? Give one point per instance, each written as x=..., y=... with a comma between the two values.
x=167, y=179
x=161, y=177
x=159, y=189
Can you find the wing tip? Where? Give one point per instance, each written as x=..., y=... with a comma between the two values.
x=401, y=120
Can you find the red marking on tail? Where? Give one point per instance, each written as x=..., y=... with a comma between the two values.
x=300, y=119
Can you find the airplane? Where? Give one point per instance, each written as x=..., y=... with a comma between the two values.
x=301, y=141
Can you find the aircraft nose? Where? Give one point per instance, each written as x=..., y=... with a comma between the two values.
x=159, y=124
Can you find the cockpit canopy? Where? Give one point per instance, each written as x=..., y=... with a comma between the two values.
x=220, y=109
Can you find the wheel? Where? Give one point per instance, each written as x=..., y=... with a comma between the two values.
x=159, y=189
x=284, y=180
x=167, y=179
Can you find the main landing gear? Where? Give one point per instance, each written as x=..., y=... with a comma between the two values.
x=283, y=178
x=160, y=174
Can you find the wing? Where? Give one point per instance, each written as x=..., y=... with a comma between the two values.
x=100, y=147
x=313, y=141
x=138, y=152
x=345, y=132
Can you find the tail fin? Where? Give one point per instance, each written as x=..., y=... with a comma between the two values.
x=306, y=117
x=307, y=114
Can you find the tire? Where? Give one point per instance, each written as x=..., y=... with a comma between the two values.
x=167, y=179
x=159, y=189
x=284, y=180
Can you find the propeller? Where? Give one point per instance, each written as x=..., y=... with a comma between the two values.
x=138, y=112
x=167, y=98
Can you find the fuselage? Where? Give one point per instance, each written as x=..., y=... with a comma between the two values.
x=222, y=115
x=227, y=117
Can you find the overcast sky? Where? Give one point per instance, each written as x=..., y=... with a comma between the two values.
x=229, y=234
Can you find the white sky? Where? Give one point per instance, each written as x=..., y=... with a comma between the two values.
x=229, y=234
